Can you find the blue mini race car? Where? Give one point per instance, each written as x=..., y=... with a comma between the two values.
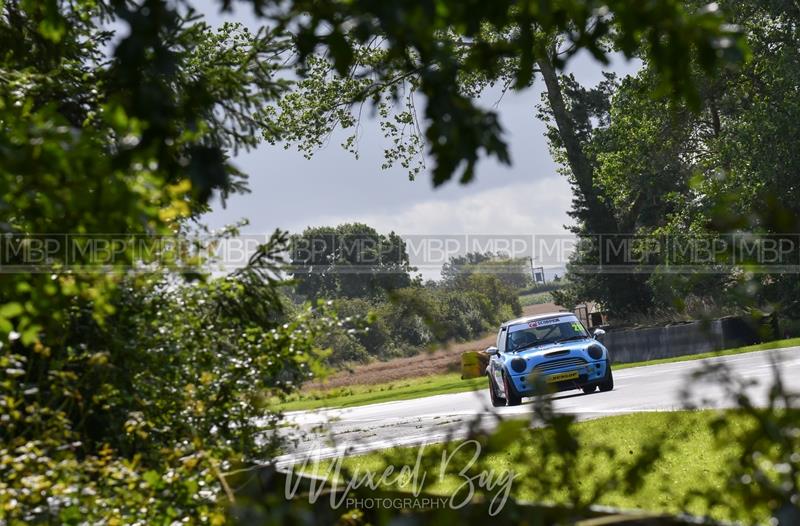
x=546, y=353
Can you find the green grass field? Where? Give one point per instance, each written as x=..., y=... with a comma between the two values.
x=693, y=464
x=451, y=383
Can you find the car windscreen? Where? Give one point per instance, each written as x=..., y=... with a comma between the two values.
x=543, y=332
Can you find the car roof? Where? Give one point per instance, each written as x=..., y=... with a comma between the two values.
x=535, y=317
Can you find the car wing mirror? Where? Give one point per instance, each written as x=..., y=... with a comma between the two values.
x=491, y=350
x=598, y=334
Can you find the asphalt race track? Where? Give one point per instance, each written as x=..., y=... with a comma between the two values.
x=328, y=432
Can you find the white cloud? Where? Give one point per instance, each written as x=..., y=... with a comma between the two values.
x=538, y=207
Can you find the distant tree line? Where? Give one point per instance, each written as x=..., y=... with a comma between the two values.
x=514, y=272
x=368, y=276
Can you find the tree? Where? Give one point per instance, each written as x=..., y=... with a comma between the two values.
x=458, y=265
x=514, y=273
x=351, y=260
x=578, y=119
x=126, y=144
x=447, y=51
x=664, y=170
x=129, y=381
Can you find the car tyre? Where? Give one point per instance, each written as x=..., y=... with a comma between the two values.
x=496, y=400
x=589, y=389
x=512, y=398
x=608, y=382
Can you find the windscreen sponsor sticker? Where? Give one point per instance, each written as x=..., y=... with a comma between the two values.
x=543, y=323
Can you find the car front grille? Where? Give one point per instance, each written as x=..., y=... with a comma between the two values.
x=555, y=365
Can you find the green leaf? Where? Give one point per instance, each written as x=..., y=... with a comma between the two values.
x=152, y=478
x=71, y=515
x=52, y=29
x=191, y=486
x=11, y=310
x=31, y=334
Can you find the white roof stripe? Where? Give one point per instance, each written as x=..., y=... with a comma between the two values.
x=568, y=318
x=535, y=317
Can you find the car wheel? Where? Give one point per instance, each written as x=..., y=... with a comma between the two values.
x=608, y=382
x=496, y=400
x=589, y=389
x=512, y=398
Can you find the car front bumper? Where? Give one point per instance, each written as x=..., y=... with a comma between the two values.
x=528, y=384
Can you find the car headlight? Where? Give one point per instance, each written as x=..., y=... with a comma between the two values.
x=518, y=365
x=595, y=351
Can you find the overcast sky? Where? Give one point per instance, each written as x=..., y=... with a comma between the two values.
x=291, y=192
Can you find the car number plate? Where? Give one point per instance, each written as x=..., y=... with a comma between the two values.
x=562, y=376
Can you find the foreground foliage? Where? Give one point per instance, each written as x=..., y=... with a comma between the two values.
x=130, y=381
x=143, y=415
x=133, y=389
x=666, y=462
x=691, y=462
x=448, y=50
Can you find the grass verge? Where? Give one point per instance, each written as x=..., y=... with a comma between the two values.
x=689, y=471
x=535, y=298
x=448, y=383
x=372, y=394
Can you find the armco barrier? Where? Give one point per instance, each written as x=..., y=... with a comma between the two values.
x=635, y=345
